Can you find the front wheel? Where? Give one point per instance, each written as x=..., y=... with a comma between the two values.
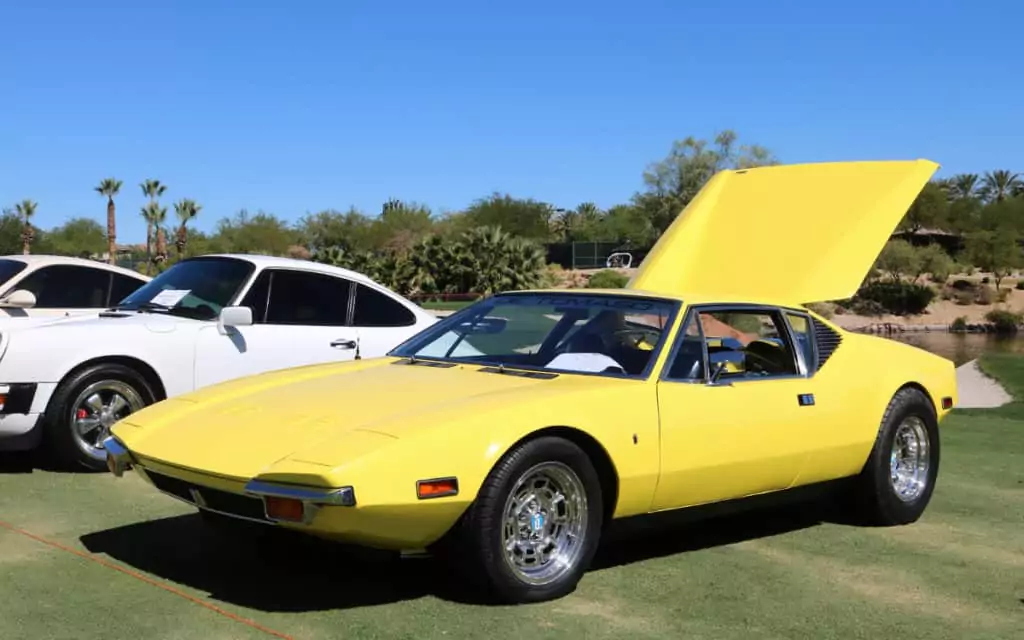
x=535, y=525
x=86, y=405
x=898, y=479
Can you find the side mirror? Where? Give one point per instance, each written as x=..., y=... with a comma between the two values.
x=21, y=298
x=716, y=372
x=234, y=317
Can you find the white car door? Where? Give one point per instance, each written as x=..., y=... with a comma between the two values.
x=298, y=319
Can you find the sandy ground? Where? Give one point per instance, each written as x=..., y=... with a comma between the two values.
x=978, y=391
x=941, y=312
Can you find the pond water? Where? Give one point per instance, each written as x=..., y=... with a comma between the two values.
x=961, y=347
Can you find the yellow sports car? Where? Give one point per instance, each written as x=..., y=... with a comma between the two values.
x=510, y=433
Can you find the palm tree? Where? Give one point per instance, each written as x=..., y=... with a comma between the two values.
x=1000, y=184
x=963, y=186
x=159, y=217
x=109, y=188
x=152, y=189
x=26, y=209
x=185, y=209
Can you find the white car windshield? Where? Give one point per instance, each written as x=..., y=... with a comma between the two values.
x=9, y=269
x=194, y=288
x=614, y=335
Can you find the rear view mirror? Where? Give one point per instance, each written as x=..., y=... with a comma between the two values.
x=21, y=298
x=234, y=317
x=486, y=325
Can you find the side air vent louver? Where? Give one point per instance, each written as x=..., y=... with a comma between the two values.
x=826, y=340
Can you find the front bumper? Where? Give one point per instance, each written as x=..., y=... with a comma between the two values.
x=22, y=405
x=334, y=514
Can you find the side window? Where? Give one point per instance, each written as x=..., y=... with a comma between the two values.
x=688, y=362
x=374, y=309
x=256, y=297
x=306, y=298
x=68, y=287
x=122, y=287
x=802, y=332
x=748, y=343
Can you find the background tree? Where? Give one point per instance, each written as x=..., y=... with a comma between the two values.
x=81, y=237
x=673, y=182
x=159, y=215
x=999, y=185
x=25, y=210
x=995, y=252
x=185, y=210
x=109, y=187
x=152, y=189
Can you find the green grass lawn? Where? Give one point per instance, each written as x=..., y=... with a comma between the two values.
x=446, y=305
x=782, y=573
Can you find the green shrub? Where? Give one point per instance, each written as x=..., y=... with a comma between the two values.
x=964, y=298
x=960, y=324
x=898, y=298
x=607, y=279
x=1020, y=284
x=1005, y=321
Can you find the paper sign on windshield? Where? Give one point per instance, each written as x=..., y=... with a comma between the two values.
x=170, y=297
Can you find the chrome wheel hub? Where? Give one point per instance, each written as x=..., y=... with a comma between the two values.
x=908, y=462
x=544, y=523
x=96, y=409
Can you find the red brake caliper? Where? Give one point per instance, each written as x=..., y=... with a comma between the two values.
x=81, y=414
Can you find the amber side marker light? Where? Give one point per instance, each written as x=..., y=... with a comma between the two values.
x=288, y=509
x=947, y=403
x=437, y=488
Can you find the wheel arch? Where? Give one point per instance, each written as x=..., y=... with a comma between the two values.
x=142, y=367
x=598, y=454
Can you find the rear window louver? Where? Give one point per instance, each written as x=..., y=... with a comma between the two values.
x=826, y=340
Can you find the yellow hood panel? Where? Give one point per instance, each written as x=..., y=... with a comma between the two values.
x=794, y=233
x=324, y=421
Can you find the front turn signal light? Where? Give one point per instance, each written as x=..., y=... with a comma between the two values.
x=437, y=488
x=285, y=509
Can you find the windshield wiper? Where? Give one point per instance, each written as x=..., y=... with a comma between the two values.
x=146, y=307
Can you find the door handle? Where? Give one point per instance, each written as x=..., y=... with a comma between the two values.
x=344, y=344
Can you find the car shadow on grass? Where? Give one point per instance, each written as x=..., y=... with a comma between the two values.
x=281, y=571
x=16, y=462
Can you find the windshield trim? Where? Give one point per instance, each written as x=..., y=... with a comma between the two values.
x=233, y=299
x=417, y=340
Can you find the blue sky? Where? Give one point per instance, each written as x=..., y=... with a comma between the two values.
x=295, y=107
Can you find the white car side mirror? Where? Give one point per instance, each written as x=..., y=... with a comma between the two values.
x=20, y=298
x=234, y=317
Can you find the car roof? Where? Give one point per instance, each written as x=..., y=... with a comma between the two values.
x=263, y=261
x=43, y=260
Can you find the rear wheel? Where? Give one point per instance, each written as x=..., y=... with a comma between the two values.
x=899, y=477
x=535, y=525
x=86, y=405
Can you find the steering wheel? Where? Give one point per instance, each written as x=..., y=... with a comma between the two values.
x=756, y=363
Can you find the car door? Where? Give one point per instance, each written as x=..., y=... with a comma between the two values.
x=736, y=406
x=64, y=289
x=381, y=322
x=299, y=317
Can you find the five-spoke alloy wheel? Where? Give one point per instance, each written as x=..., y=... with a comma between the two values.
x=86, y=405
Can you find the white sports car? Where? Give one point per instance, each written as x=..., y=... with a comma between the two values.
x=42, y=288
x=203, y=321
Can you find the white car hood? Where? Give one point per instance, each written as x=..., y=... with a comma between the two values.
x=112, y=321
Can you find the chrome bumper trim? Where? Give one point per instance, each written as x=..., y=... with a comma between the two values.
x=119, y=459
x=341, y=497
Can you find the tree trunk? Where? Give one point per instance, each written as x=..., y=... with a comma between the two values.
x=161, y=245
x=181, y=240
x=149, y=247
x=111, y=232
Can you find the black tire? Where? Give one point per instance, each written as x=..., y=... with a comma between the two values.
x=59, y=424
x=875, y=497
x=477, y=541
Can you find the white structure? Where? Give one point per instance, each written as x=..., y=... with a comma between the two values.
x=51, y=287
x=203, y=321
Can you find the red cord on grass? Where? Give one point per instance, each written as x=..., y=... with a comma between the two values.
x=139, y=576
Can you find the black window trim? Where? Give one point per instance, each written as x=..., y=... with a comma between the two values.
x=776, y=311
x=387, y=294
x=273, y=269
x=107, y=302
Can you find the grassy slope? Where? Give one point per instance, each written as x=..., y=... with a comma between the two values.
x=958, y=573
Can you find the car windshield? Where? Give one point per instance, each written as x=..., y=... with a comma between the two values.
x=9, y=269
x=195, y=288
x=613, y=335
